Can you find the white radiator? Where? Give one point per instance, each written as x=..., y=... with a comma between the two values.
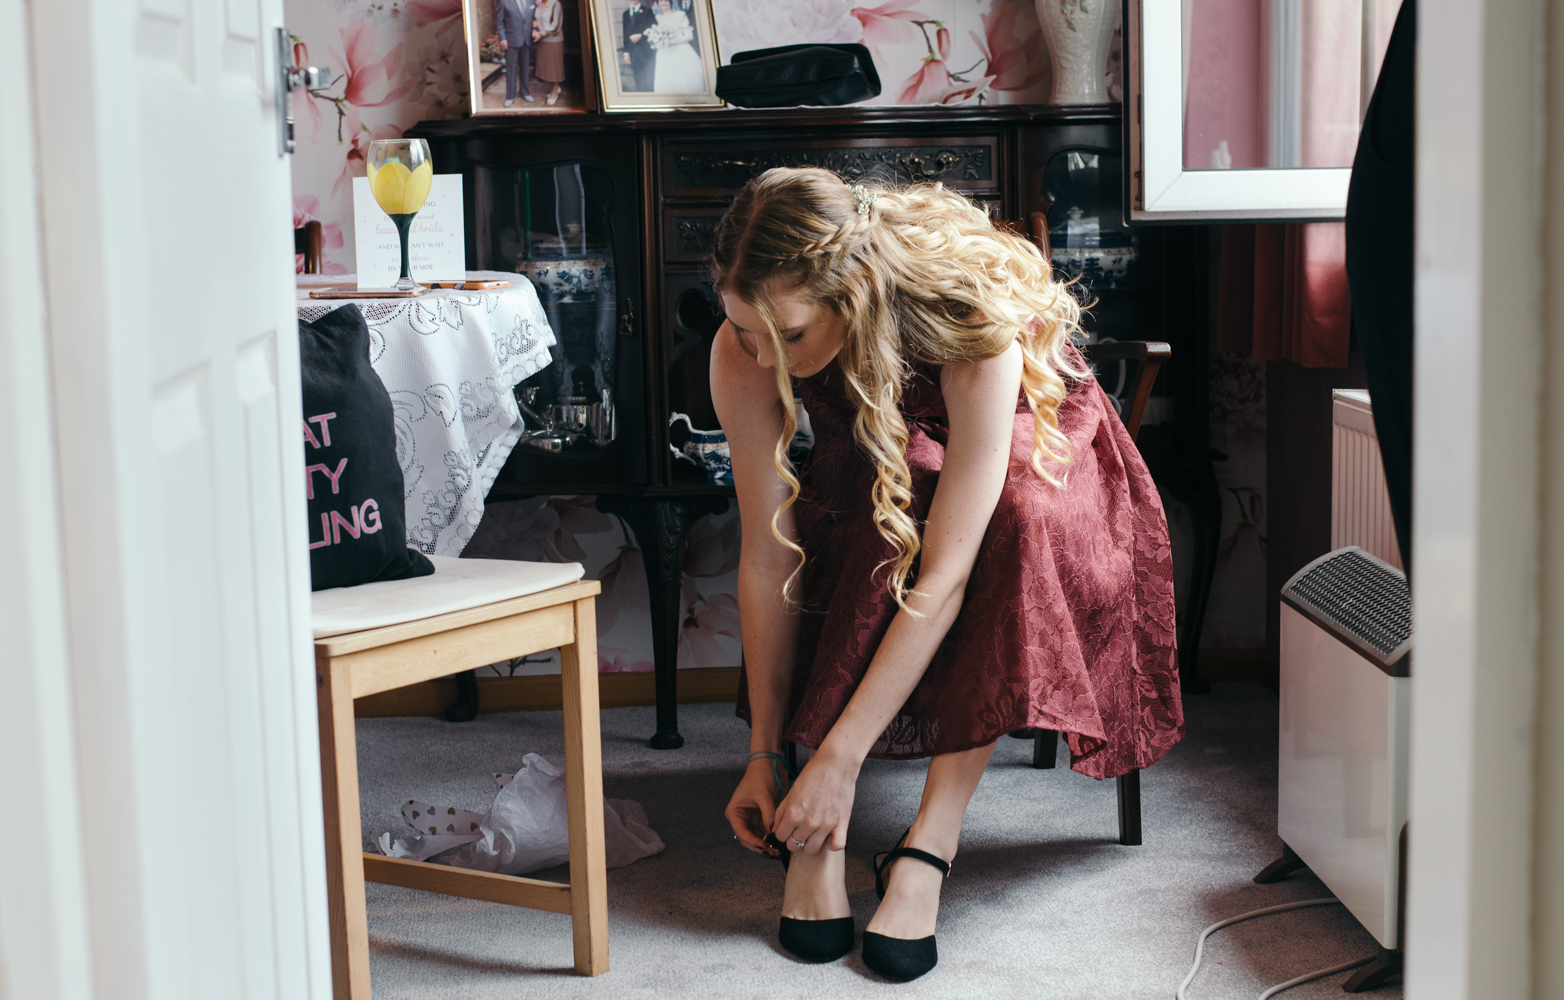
x=1359, y=501
x=1342, y=775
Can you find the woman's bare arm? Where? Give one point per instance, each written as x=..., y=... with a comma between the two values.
x=745, y=396
x=980, y=397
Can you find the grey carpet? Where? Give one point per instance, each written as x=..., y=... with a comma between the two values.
x=1042, y=903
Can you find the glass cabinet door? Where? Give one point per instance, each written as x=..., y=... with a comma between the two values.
x=558, y=223
x=1091, y=246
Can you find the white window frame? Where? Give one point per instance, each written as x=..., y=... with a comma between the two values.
x=1159, y=188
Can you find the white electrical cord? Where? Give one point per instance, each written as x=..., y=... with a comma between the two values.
x=1310, y=977
x=1200, y=949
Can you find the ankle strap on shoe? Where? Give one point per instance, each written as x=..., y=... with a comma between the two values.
x=913, y=852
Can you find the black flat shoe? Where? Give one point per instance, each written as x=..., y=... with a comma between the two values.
x=898, y=959
x=811, y=940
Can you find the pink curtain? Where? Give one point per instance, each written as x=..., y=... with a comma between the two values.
x=1282, y=293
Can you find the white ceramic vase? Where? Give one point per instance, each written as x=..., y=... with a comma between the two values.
x=1078, y=33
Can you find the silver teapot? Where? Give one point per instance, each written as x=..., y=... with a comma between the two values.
x=577, y=421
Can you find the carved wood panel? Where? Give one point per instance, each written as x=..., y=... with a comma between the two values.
x=966, y=164
x=687, y=233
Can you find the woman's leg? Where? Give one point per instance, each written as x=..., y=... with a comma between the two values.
x=816, y=886
x=912, y=888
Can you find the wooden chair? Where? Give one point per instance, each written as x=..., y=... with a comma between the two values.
x=1144, y=359
x=470, y=613
x=307, y=241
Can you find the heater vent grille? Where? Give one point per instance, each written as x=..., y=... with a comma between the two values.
x=1360, y=598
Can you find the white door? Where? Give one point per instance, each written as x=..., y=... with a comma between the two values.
x=169, y=288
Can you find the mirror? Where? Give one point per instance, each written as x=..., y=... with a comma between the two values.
x=1248, y=110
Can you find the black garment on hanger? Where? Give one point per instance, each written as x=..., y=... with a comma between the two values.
x=1379, y=262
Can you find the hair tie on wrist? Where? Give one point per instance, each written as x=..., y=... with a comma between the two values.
x=775, y=758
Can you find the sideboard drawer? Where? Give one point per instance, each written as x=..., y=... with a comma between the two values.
x=687, y=233
x=711, y=170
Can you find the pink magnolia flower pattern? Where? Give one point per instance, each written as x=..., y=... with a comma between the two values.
x=712, y=550
x=888, y=23
x=447, y=14
x=1010, y=43
x=624, y=588
x=306, y=208
x=935, y=82
x=369, y=80
x=927, y=86
x=705, y=618
x=963, y=90
x=612, y=660
x=353, y=164
x=577, y=516
x=759, y=24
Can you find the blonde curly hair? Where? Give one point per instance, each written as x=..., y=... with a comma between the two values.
x=920, y=274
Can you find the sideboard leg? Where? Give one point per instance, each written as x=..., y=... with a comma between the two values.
x=661, y=525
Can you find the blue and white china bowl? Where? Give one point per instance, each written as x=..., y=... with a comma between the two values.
x=582, y=280
x=1102, y=267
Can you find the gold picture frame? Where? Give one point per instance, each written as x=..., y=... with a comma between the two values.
x=488, y=69
x=660, y=71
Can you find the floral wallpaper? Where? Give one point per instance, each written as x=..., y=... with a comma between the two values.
x=393, y=63
x=926, y=51
x=397, y=62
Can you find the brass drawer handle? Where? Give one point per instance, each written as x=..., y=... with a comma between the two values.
x=917, y=171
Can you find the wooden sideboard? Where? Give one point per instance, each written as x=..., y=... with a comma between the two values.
x=612, y=216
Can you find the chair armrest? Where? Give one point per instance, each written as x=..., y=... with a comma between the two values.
x=1149, y=354
x=1128, y=350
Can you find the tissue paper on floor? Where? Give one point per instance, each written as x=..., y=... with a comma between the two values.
x=525, y=831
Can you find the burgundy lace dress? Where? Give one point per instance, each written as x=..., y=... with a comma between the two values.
x=1067, y=622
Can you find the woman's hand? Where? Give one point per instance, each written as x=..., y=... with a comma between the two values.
x=818, y=806
x=754, y=805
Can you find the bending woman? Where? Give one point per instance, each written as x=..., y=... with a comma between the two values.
x=973, y=546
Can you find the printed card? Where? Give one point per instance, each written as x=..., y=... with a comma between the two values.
x=437, y=245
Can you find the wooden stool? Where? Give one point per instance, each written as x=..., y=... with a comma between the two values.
x=480, y=621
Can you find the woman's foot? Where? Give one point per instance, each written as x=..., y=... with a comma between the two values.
x=912, y=889
x=817, y=925
x=553, y=95
x=899, y=943
x=816, y=886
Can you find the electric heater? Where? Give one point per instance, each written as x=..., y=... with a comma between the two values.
x=1346, y=628
x=1346, y=636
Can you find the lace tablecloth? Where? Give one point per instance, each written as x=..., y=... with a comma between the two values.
x=449, y=359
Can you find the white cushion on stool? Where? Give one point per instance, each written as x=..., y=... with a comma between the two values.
x=457, y=584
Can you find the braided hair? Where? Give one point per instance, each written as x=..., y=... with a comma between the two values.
x=919, y=274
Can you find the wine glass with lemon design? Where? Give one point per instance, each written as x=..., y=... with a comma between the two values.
x=400, y=173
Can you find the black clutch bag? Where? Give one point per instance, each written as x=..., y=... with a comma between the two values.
x=790, y=75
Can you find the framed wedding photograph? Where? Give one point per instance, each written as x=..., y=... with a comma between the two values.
x=655, y=54
x=528, y=57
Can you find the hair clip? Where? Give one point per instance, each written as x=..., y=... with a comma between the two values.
x=865, y=198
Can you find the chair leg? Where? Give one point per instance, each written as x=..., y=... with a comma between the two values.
x=344, y=839
x=584, y=795
x=1129, y=808
x=1045, y=748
